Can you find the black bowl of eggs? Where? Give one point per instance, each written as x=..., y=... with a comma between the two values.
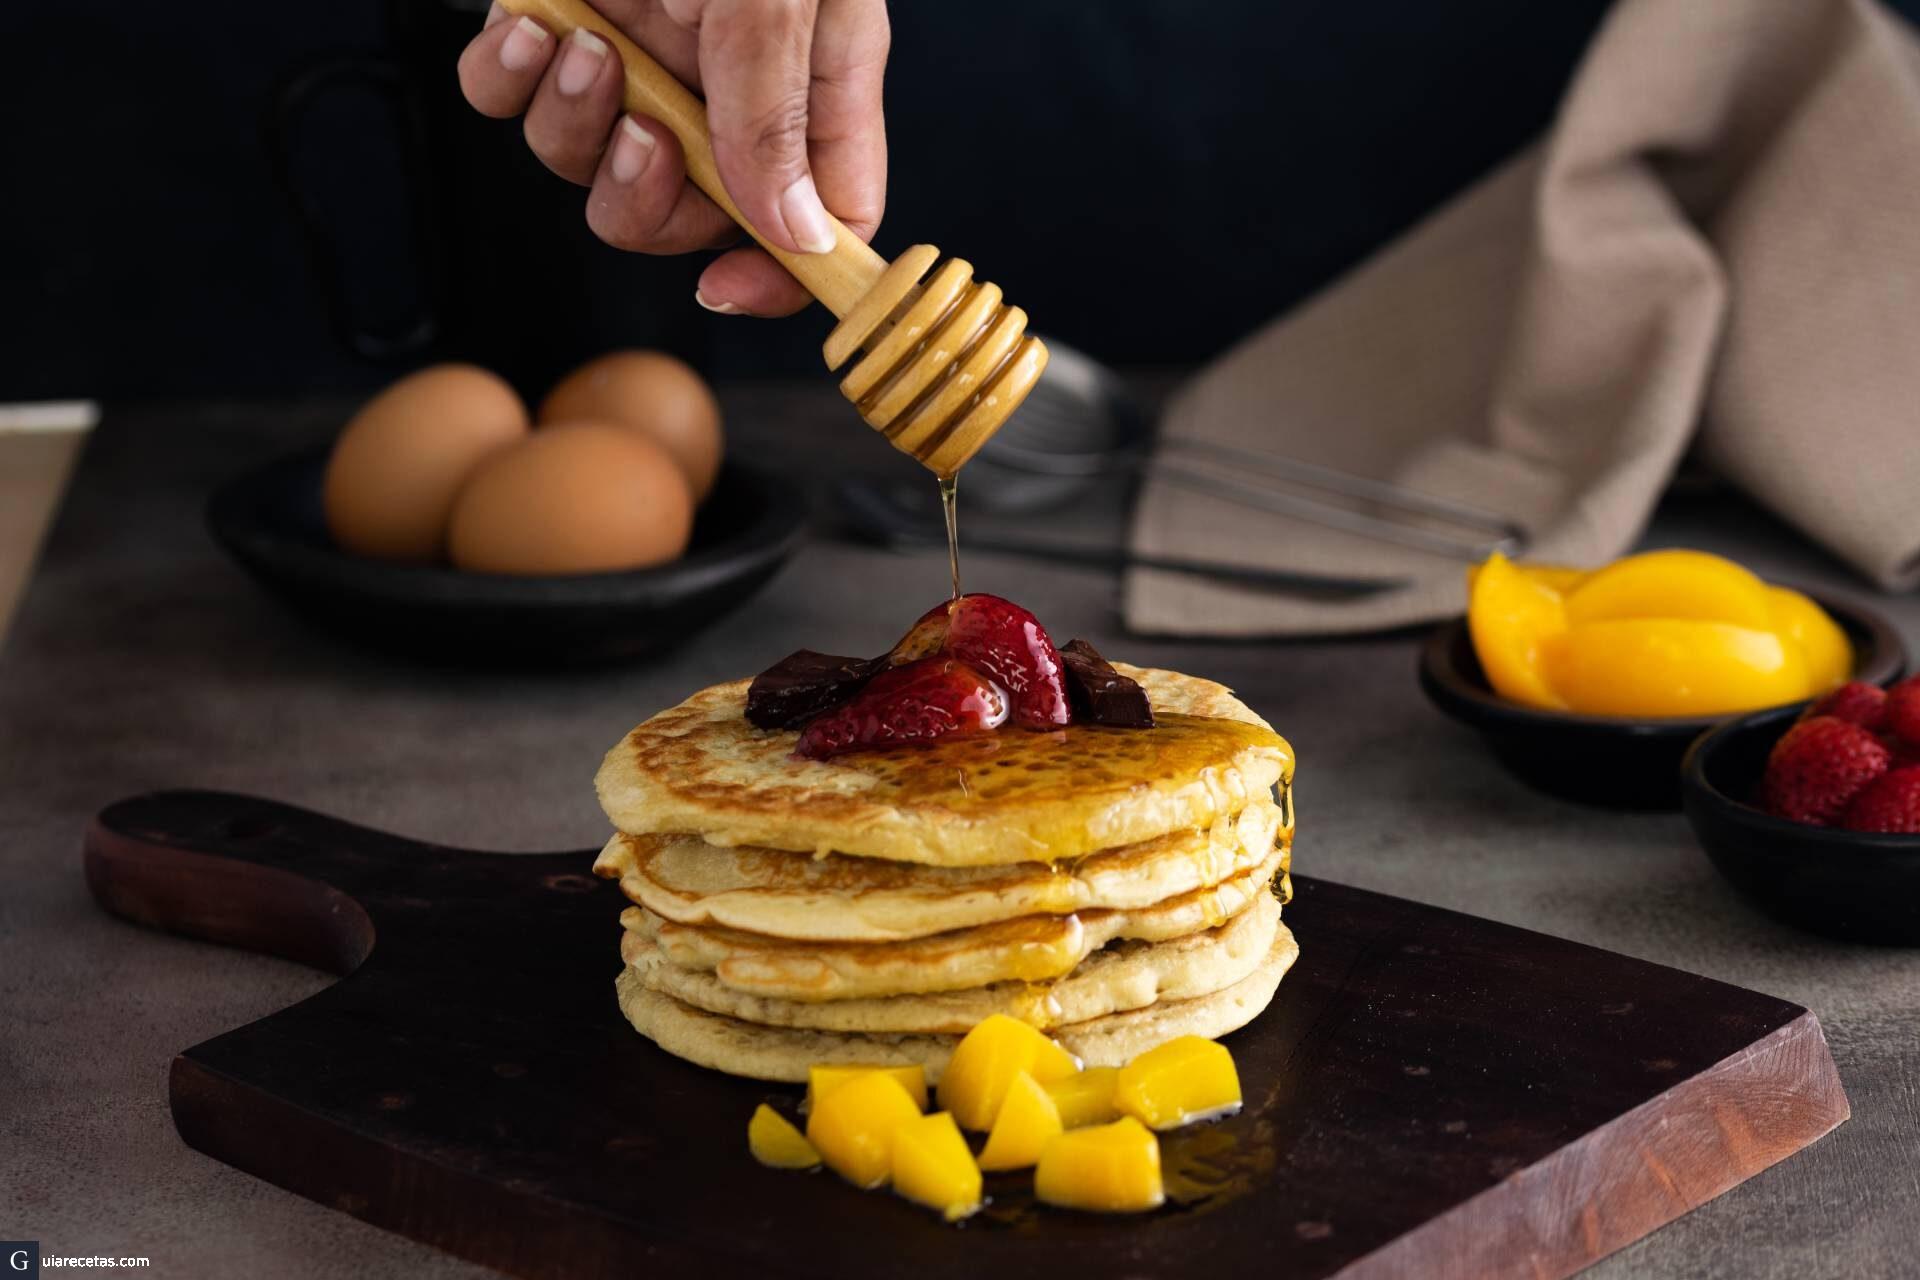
x=448, y=522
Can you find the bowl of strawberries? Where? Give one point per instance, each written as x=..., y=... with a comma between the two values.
x=1814, y=814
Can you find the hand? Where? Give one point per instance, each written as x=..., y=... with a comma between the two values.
x=793, y=103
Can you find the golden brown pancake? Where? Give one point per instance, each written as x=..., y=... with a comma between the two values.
x=1115, y=979
x=782, y=894
x=784, y=1053
x=1029, y=949
x=972, y=800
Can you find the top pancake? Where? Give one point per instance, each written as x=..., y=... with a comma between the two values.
x=983, y=799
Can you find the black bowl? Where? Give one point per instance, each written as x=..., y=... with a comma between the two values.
x=1615, y=761
x=269, y=519
x=1853, y=885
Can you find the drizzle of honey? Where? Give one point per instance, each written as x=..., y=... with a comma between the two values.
x=979, y=771
x=950, y=508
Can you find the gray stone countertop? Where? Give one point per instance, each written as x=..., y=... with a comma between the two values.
x=142, y=659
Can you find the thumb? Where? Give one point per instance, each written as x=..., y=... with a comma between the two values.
x=756, y=68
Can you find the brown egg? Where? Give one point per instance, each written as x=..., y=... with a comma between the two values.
x=584, y=497
x=397, y=467
x=651, y=392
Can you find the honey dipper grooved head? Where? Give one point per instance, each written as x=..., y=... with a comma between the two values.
x=945, y=361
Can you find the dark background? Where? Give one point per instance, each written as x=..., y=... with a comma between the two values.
x=1148, y=178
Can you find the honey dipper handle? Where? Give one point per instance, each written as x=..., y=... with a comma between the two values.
x=838, y=278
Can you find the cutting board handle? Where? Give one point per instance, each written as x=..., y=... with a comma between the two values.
x=240, y=871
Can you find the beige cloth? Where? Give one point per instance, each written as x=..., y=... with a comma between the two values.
x=1717, y=244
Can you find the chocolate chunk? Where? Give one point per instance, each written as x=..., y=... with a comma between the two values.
x=1101, y=695
x=803, y=684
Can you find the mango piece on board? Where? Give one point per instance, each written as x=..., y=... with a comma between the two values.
x=1086, y=1097
x=822, y=1079
x=1028, y=1120
x=1675, y=667
x=986, y=1060
x=1512, y=619
x=853, y=1126
x=1185, y=1080
x=776, y=1143
x=1672, y=584
x=1110, y=1168
x=932, y=1166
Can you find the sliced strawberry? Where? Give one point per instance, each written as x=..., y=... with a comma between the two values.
x=1856, y=702
x=1010, y=645
x=1818, y=767
x=1890, y=802
x=1903, y=711
x=917, y=702
x=926, y=637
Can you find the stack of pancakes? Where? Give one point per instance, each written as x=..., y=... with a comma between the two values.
x=1116, y=887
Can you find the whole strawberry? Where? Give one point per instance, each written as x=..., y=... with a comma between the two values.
x=1818, y=767
x=918, y=702
x=1856, y=702
x=1890, y=802
x=1902, y=718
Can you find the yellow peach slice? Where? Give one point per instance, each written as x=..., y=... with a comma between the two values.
x=1829, y=652
x=932, y=1166
x=1028, y=1120
x=820, y=1080
x=776, y=1143
x=1512, y=618
x=853, y=1126
x=985, y=1062
x=1185, y=1080
x=1557, y=577
x=1111, y=1168
x=1672, y=584
x=1675, y=667
x=1086, y=1097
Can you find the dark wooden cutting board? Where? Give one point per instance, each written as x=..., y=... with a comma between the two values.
x=1430, y=1093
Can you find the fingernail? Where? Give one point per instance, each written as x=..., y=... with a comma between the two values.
x=523, y=45
x=495, y=15
x=580, y=63
x=631, y=150
x=807, y=217
x=718, y=308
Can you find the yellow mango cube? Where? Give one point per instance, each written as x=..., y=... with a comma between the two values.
x=985, y=1062
x=1111, y=1168
x=776, y=1143
x=822, y=1079
x=1028, y=1120
x=1184, y=1080
x=1086, y=1097
x=932, y=1166
x=853, y=1126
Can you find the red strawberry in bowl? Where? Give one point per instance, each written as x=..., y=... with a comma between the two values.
x=1856, y=702
x=1890, y=802
x=918, y=702
x=1009, y=644
x=1902, y=718
x=1818, y=767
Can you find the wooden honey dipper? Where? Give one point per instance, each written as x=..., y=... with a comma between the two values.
x=946, y=361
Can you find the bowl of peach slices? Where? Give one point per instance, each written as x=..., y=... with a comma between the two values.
x=1591, y=684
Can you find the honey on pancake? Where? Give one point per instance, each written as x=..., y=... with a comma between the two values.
x=979, y=770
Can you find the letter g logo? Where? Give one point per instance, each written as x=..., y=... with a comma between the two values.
x=18, y=1260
